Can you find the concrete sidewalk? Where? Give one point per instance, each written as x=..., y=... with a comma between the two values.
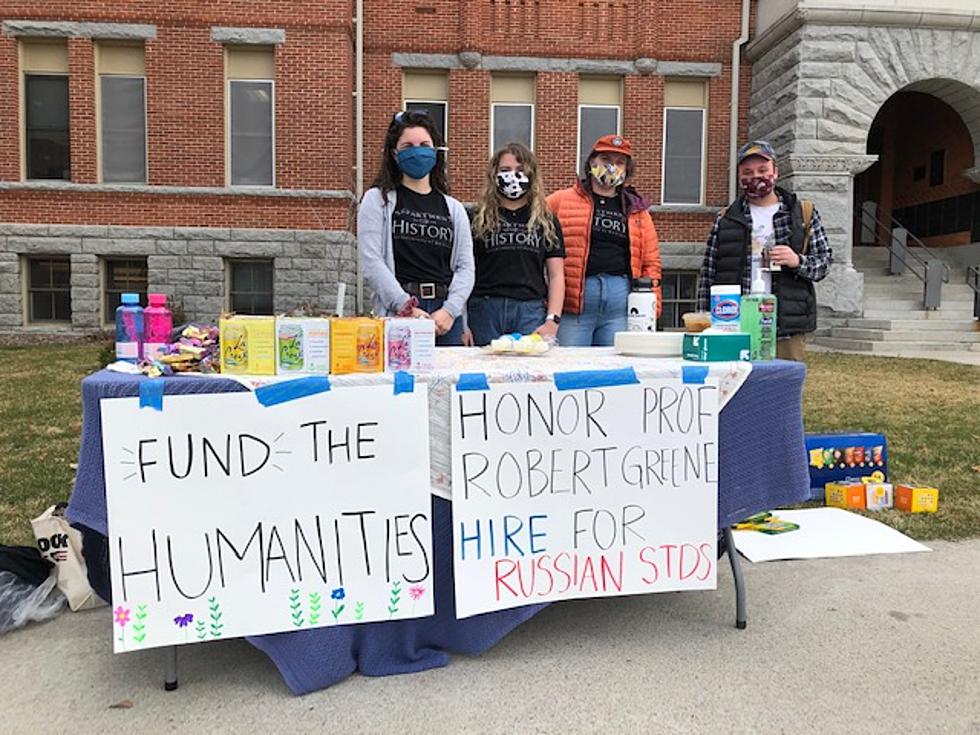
x=862, y=645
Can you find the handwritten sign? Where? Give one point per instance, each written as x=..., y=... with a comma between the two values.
x=227, y=518
x=583, y=493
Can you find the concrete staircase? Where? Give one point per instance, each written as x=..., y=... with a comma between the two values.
x=894, y=322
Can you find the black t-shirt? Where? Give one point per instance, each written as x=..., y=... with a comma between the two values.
x=609, y=249
x=510, y=260
x=422, y=237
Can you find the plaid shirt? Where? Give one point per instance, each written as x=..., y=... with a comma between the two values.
x=813, y=266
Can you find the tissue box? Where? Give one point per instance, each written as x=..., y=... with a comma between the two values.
x=410, y=344
x=917, y=499
x=248, y=345
x=836, y=457
x=302, y=345
x=848, y=495
x=356, y=345
x=718, y=347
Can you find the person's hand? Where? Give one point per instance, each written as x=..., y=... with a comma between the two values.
x=785, y=256
x=468, y=338
x=418, y=313
x=444, y=321
x=547, y=330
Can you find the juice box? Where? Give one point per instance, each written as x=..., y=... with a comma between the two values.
x=302, y=345
x=878, y=495
x=917, y=499
x=356, y=345
x=759, y=322
x=248, y=345
x=849, y=495
x=410, y=344
x=716, y=347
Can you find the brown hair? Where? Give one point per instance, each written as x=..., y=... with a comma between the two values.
x=389, y=175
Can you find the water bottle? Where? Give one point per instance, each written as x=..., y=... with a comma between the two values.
x=159, y=325
x=129, y=328
x=642, y=307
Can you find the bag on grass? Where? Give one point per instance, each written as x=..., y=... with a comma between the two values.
x=61, y=544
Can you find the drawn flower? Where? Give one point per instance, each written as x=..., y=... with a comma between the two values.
x=416, y=592
x=337, y=594
x=122, y=616
x=182, y=621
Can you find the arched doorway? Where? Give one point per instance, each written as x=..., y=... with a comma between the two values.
x=922, y=178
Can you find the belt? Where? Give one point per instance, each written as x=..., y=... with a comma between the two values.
x=426, y=290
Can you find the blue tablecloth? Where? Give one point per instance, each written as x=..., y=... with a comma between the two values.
x=761, y=465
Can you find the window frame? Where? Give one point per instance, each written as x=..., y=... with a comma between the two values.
x=670, y=273
x=445, y=114
x=25, y=138
x=108, y=315
x=99, y=130
x=229, y=280
x=493, y=121
x=228, y=127
x=704, y=163
x=28, y=291
x=578, y=136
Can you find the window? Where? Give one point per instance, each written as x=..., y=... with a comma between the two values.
x=685, y=106
x=679, y=290
x=919, y=173
x=599, y=111
x=428, y=92
x=122, y=114
x=511, y=111
x=46, y=143
x=123, y=275
x=250, y=286
x=937, y=168
x=251, y=124
x=49, y=289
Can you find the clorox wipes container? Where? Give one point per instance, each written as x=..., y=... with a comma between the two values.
x=726, y=308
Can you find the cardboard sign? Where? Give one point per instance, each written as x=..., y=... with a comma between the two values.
x=592, y=492
x=229, y=518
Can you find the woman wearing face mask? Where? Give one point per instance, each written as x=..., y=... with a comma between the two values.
x=413, y=239
x=516, y=240
x=610, y=239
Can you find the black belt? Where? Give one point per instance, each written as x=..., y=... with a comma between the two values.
x=426, y=290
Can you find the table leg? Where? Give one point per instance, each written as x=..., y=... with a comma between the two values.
x=740, y=621
x=170, y=672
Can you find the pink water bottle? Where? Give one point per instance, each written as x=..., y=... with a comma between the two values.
x=159, y=325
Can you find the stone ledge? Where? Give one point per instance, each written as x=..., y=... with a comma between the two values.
x=618, y=67
x=250, y=191
x=60, y=29
x=685, y=209
x=248, y=36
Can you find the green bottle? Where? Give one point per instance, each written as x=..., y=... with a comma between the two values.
x=759, y=322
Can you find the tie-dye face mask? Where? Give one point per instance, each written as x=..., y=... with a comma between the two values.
x=608, y=174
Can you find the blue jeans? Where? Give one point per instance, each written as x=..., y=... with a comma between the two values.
x=491, y=316
x=452, y=338
x=603, y=313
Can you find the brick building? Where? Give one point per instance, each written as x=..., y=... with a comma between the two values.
x=208, y=150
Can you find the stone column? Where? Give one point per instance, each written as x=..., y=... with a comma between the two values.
x=828, y=181
x=86, y=304
x=973, y=174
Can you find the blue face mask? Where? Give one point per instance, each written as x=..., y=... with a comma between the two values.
x=417, y=161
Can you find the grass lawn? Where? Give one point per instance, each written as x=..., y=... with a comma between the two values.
x=930, y=412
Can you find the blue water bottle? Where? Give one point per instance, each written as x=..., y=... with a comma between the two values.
x=129, y=328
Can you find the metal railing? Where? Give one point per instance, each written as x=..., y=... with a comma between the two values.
x=973, y=281
x=932, y=271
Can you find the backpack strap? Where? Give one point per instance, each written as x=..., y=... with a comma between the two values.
x=807, y=206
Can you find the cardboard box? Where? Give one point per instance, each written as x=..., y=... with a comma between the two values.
x=248, y=345
x=356, y=345
x=302, y=345
x=410, y=344
x=849, y=495
x=836, y=457
x=717, y=347
x=917, y=499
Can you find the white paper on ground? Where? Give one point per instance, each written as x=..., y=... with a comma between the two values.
x=824, y=532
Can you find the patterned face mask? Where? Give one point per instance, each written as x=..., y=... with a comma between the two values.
x=513, y=184
x=757, y=187
x=608, y=174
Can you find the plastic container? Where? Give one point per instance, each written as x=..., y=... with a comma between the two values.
x=159, y=325
x=642, y=307
x=726, y=308
x=129, y=328
x=696, y=321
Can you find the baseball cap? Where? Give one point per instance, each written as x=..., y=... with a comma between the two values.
x=756, y=148
x=613, y=144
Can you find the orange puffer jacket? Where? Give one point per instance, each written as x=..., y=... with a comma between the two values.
x=574, y=209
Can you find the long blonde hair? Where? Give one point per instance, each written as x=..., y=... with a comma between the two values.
x=487, y=217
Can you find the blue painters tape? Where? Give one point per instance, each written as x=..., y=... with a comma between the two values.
x=472, y=381
x=404, y=382
x=290, y=390
x=575, y=379
x=151, y=394
x=694, y=373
